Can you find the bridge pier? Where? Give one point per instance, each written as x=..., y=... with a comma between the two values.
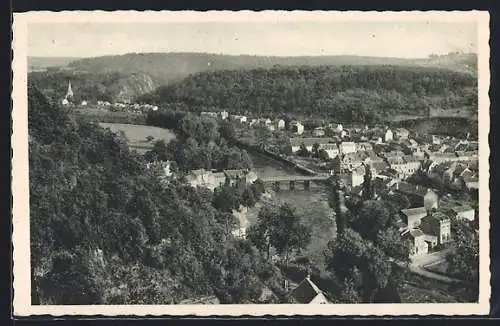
x=292, y=185
x=307, y=185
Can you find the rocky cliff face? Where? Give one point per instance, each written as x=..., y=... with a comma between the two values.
x=128, y=88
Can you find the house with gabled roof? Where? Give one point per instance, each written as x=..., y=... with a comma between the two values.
x=416, y=193
x=437, y=224
x=296, y=142
x=413, y=216
x=418, y=245
x=308, y=293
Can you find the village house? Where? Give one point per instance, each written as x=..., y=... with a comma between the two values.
x=441, y=157
x=353, y=160
x=354, y=177
x=471, y=183
x=418, y=195
x=240, y=118
x=207, y=179
x=412, y=216
x=364, y=146
x=308, y=293
x=466, y=156
x=462, y=145
x=209, y=114
x=280, y=124
x=347, y=147
x=163, y=166
x=296, y=142
x=401, y=134
x=297, y=127
x=464, y=212
x=336, y=127
x=331, y=149
x=388, y=136
x=239, y=233
x=435, y=140
x=244, y=175
x=418, y=245
x=318, y=132
x=392, y=174
x=397, y=163
x=437, y=224
x=412, y=164
x=378, y=166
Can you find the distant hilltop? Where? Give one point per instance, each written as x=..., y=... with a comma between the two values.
x=172, y=66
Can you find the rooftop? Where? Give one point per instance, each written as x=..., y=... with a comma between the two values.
x=409, y=188
x=430, y=238
x=462, y=208
x=440, y=216
x=306, y=291
x=328, y=146
x=414, y=211
x=235, y=173
x=413, y=233
x=297, y=141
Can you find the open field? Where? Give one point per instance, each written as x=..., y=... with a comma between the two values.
x=137, y=134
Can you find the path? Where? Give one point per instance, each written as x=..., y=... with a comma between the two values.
x=418, y=264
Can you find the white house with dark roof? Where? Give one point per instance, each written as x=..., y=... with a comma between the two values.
x=297, y=127
x=347, y=147
x=331, y=149
x=296, y=142
x=318, y=132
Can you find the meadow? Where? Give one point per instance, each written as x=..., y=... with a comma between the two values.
x=139, y=136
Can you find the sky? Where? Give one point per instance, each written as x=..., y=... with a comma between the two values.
x=382, y=39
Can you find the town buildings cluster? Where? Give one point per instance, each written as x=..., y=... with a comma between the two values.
x=69, y=100
x=393, y=156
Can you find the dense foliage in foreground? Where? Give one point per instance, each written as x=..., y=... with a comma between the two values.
x=349, y=93
x=105, y=231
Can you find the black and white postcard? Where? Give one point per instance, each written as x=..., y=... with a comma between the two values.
x=251, y=163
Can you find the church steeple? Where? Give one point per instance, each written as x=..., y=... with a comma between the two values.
x=69, y=93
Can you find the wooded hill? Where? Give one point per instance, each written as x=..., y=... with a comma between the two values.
x=160, y=69
x=104, y=230
x=348, y=93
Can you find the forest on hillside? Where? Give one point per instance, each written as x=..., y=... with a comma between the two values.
x=105, y=230
x=364, y=94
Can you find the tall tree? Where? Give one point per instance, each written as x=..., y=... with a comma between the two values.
x=367, y=183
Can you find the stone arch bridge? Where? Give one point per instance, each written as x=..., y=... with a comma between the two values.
x=277, y=182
